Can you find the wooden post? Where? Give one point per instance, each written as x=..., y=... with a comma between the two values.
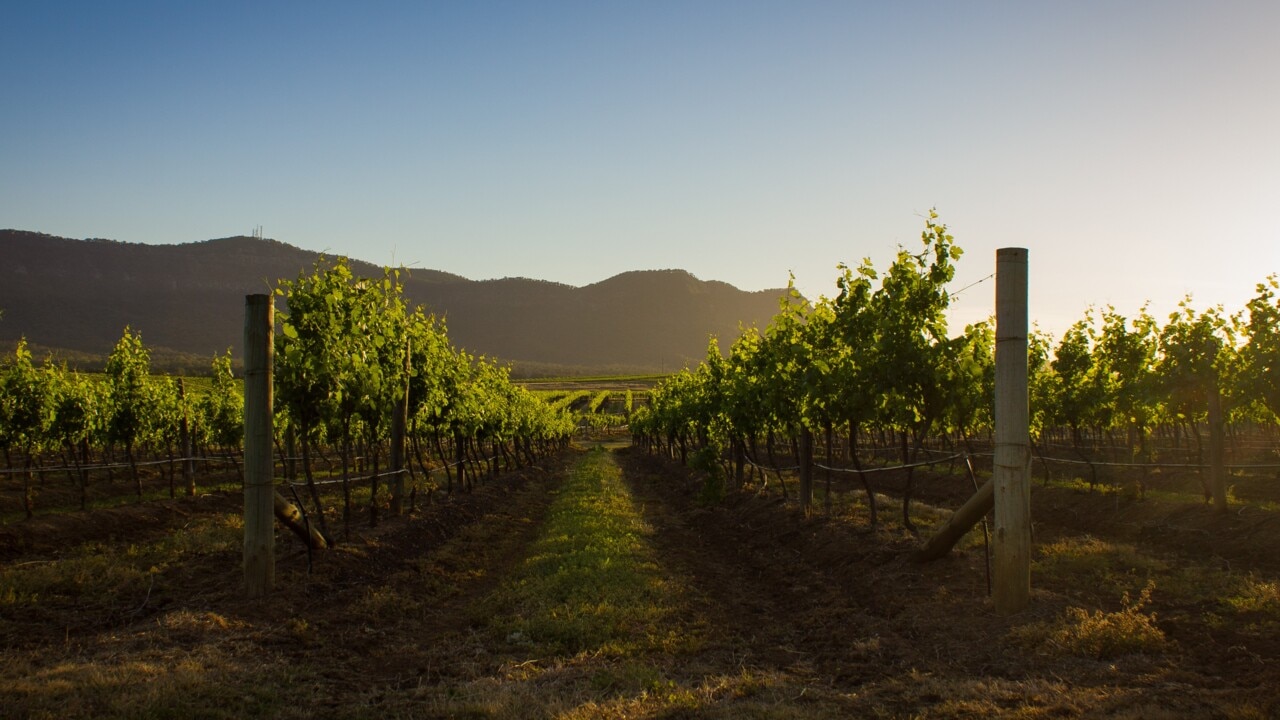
x=805, y=457
x=259, y=481
x=1217, y=449
x=399, y=422
x=969, y=514
x=184, y=439
x=1011, y=471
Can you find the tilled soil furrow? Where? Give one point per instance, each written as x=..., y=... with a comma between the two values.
x=774, y=608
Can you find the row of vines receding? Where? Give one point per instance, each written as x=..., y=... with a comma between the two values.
x=872, y=378
x=120, y=425
x=346, y=350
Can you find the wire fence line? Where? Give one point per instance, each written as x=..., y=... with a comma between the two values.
x=115, y=466
x=948, y=457
x=389, y=473
x=774, y=468
x=334, y=481
x=177, y=460
x=1109, y=463
x=965, y=455
x=925, y=463
x=1197, y=466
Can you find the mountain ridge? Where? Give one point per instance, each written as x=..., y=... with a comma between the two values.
x=187, y=298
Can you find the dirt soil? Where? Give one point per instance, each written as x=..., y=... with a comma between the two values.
x=795, y=617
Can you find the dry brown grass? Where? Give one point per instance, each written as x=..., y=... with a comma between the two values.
x=744, y=609
x=1098, y=634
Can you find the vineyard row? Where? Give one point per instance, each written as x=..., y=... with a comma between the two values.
x=877, y=361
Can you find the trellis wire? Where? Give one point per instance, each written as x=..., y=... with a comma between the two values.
x=115, y=466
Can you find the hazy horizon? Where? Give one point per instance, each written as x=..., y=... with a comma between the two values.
x=1130, y=147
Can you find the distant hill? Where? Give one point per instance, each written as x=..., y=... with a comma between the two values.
x=187, y=301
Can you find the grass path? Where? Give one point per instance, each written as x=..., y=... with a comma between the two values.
x=590, y=624
x=591, y=583
x=618, y=612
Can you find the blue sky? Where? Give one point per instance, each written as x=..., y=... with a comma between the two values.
x=1133, y=146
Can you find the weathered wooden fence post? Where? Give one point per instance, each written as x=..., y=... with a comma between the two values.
x=399, y=422
x=1011, y=470
x=184, y=438
x=1217, y=448
x=805, y=460
x=259, y=472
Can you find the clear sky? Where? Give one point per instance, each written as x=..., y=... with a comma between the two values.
x=1133, y=146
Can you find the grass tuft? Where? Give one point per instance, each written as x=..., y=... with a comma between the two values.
x=1254, y=595
x=1098, y=634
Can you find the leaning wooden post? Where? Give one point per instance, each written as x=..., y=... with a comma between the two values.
x=961, y=521
x=1011, y=472
x=259, y=481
